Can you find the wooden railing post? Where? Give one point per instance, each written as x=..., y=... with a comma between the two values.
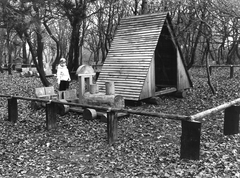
x=231, y=71
x=210, y=70
x=231, y=120
x=190, y=140
x=111, y=127
x=12, y=110
x=51, y=115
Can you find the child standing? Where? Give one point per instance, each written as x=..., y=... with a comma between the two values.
x=63, y=77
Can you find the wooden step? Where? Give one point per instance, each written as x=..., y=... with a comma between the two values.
x=165, y=91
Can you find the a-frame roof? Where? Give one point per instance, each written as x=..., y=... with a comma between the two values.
x=131, y=53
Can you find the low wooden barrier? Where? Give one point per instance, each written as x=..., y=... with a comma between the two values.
x=230, y=66
x=191, y=128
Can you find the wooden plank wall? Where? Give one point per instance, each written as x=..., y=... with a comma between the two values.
x=130, y=55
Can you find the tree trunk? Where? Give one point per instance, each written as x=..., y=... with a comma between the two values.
x=73, y=63
x=194, y=48
x=207, y=67
x=220, y=53
x=39, y=50
x=58, y=55
x=1, y=61
x=144, y=7
x=40, y=70
x=84, y=27
x=9, y=57
x=135, y=9
x=24, y=51
x=231, y=53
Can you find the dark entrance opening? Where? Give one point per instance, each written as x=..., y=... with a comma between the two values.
x=165, y=61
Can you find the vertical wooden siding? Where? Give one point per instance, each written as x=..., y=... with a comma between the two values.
x=130, y=56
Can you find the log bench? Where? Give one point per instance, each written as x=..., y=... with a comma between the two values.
x=44, y=93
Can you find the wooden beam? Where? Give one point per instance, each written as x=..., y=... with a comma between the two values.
x=126, y=67
x=161, y=115
x=165, y=91
x=112, y=50
x=154, y=15
x=230, y=66
x=123, y=71
x=140, y=30
x=128, y=84
x=123, y=80
x=126, y=76
x=130, y=54
x=129, y=39
x=224, y=65
x=214, y=110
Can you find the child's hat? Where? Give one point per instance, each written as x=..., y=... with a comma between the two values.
x=62, y=60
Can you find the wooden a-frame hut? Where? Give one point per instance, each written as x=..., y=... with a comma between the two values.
x=144, y=59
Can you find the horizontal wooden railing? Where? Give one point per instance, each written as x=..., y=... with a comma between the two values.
x=214, y=110
x=230, y=66
x=191, y=127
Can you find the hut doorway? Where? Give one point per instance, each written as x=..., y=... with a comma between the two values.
x=165, y=61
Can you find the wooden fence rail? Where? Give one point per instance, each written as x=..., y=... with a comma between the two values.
x=230, y=66
x=191, y=128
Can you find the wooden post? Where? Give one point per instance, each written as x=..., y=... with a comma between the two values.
x=190, y=140
x=180, y=94
x=62, y=109
x=210, y=70
x=111, y=127
x=231, y=71
x=12, y=110
x=51, y=115
x=81, y=81
x=93, y=88
x=231, y=120
x=61, y=95
x=110, y=88
x=89, y=114
x=103, y=118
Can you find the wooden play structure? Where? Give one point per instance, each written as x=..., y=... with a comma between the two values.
x=144, y=59
x=191, y=127
x=89, y=94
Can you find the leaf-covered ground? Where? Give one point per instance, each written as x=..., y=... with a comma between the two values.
x=147, y=146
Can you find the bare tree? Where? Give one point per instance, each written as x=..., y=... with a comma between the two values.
x=26, y=17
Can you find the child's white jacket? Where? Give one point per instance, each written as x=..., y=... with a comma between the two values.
x=62, y=74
